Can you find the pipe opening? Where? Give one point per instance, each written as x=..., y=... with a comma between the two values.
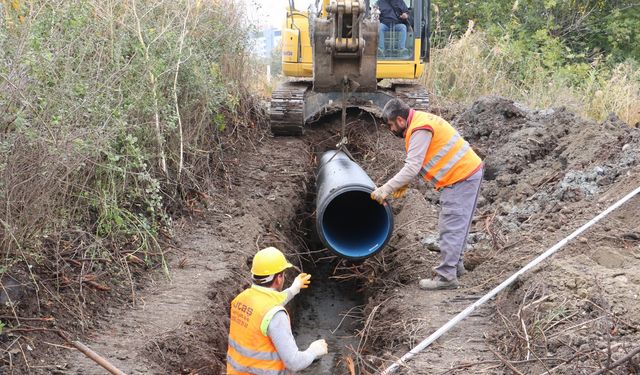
x=355, y=226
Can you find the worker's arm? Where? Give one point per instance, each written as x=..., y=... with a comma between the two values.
x=279, y=332
x=290, y=295
x=302, y=281
x=418, y=146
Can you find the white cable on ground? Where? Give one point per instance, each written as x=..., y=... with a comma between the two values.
x=466, y=312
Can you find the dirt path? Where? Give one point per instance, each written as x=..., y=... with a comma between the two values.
x=161, y=307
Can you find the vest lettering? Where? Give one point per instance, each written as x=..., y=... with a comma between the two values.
x=250, y=351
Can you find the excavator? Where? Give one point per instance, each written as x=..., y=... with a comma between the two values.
x=332, y=60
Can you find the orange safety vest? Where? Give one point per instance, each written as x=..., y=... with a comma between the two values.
x=250, y=350
x=449, y=158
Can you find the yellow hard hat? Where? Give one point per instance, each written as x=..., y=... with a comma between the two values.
x=269, y=261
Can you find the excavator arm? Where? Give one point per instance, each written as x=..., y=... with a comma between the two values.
x=344, y=47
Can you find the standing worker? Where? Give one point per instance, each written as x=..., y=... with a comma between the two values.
x=437, y=153
x=260, y=338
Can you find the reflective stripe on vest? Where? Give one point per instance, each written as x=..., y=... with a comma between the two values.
x=449, y=158
x=262, y=356
x=250, y=349
x=252, y=370
x=456, y=158
x=433, y=161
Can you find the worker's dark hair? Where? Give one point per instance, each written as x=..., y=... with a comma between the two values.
x=395, y=108
x=266, y=281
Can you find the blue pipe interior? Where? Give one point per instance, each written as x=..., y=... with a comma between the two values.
x=354, y=225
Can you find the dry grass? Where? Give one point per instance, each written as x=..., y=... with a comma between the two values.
x=112, y=115
x=470, y=67
x=541, y=332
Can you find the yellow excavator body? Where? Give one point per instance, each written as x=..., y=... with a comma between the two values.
x=297, y=53
x=332, y=58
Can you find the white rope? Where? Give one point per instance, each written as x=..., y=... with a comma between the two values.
x=466, y=312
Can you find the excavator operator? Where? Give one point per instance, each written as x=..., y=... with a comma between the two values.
x=394, y=15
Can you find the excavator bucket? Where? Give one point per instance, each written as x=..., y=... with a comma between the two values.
x=344, y=48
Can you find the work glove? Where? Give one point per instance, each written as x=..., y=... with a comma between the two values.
x=401, y=192
x=380, y=194
x=302, y=281
x=318, y=348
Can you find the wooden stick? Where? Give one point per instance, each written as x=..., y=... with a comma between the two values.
x=91, y=354
x=76, y=344
x=617, y=363
x=96, y=358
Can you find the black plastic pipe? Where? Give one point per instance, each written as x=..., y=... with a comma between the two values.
x=349, y=222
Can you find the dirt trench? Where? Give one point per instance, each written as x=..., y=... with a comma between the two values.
x=547, y=172
x=180, y=324
x=177, y=324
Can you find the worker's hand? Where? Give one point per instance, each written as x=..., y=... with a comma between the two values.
x=319, y=348
x=380, y=194
x=404, y=16
x=301, y=282
x=401, y=192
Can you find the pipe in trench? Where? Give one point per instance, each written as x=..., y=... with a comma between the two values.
x=349, y=222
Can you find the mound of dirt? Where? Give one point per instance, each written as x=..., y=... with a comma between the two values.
x=526, y=150
x=547, y=172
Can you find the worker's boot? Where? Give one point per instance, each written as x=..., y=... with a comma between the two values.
x=438, y=283
x=460, y=270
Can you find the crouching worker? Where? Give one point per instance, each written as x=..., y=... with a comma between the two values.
x=260, y=338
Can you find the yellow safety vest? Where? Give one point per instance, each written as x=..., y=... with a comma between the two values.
x=449, y=158
x=250, y=350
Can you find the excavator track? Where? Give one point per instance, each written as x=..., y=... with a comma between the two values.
x=287, y=108
x=416, y=96
x=294, y=103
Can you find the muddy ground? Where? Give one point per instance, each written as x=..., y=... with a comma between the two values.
x=547, y=173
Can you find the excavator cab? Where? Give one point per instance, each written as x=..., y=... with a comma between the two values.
x=333, y=60
x=395, y=45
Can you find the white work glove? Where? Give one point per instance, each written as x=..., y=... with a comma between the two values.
x=302, y=281
x=380, y=194
x=318, y=348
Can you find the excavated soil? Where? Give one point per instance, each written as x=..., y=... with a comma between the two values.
x=547, y=173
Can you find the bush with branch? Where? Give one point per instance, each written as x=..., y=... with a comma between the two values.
x=111, y=113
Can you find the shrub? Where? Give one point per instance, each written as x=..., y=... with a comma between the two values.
x=110, y=113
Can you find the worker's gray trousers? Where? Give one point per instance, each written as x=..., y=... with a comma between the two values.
x=457, y=204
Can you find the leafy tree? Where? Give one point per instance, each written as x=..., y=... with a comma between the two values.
x=564, y=31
